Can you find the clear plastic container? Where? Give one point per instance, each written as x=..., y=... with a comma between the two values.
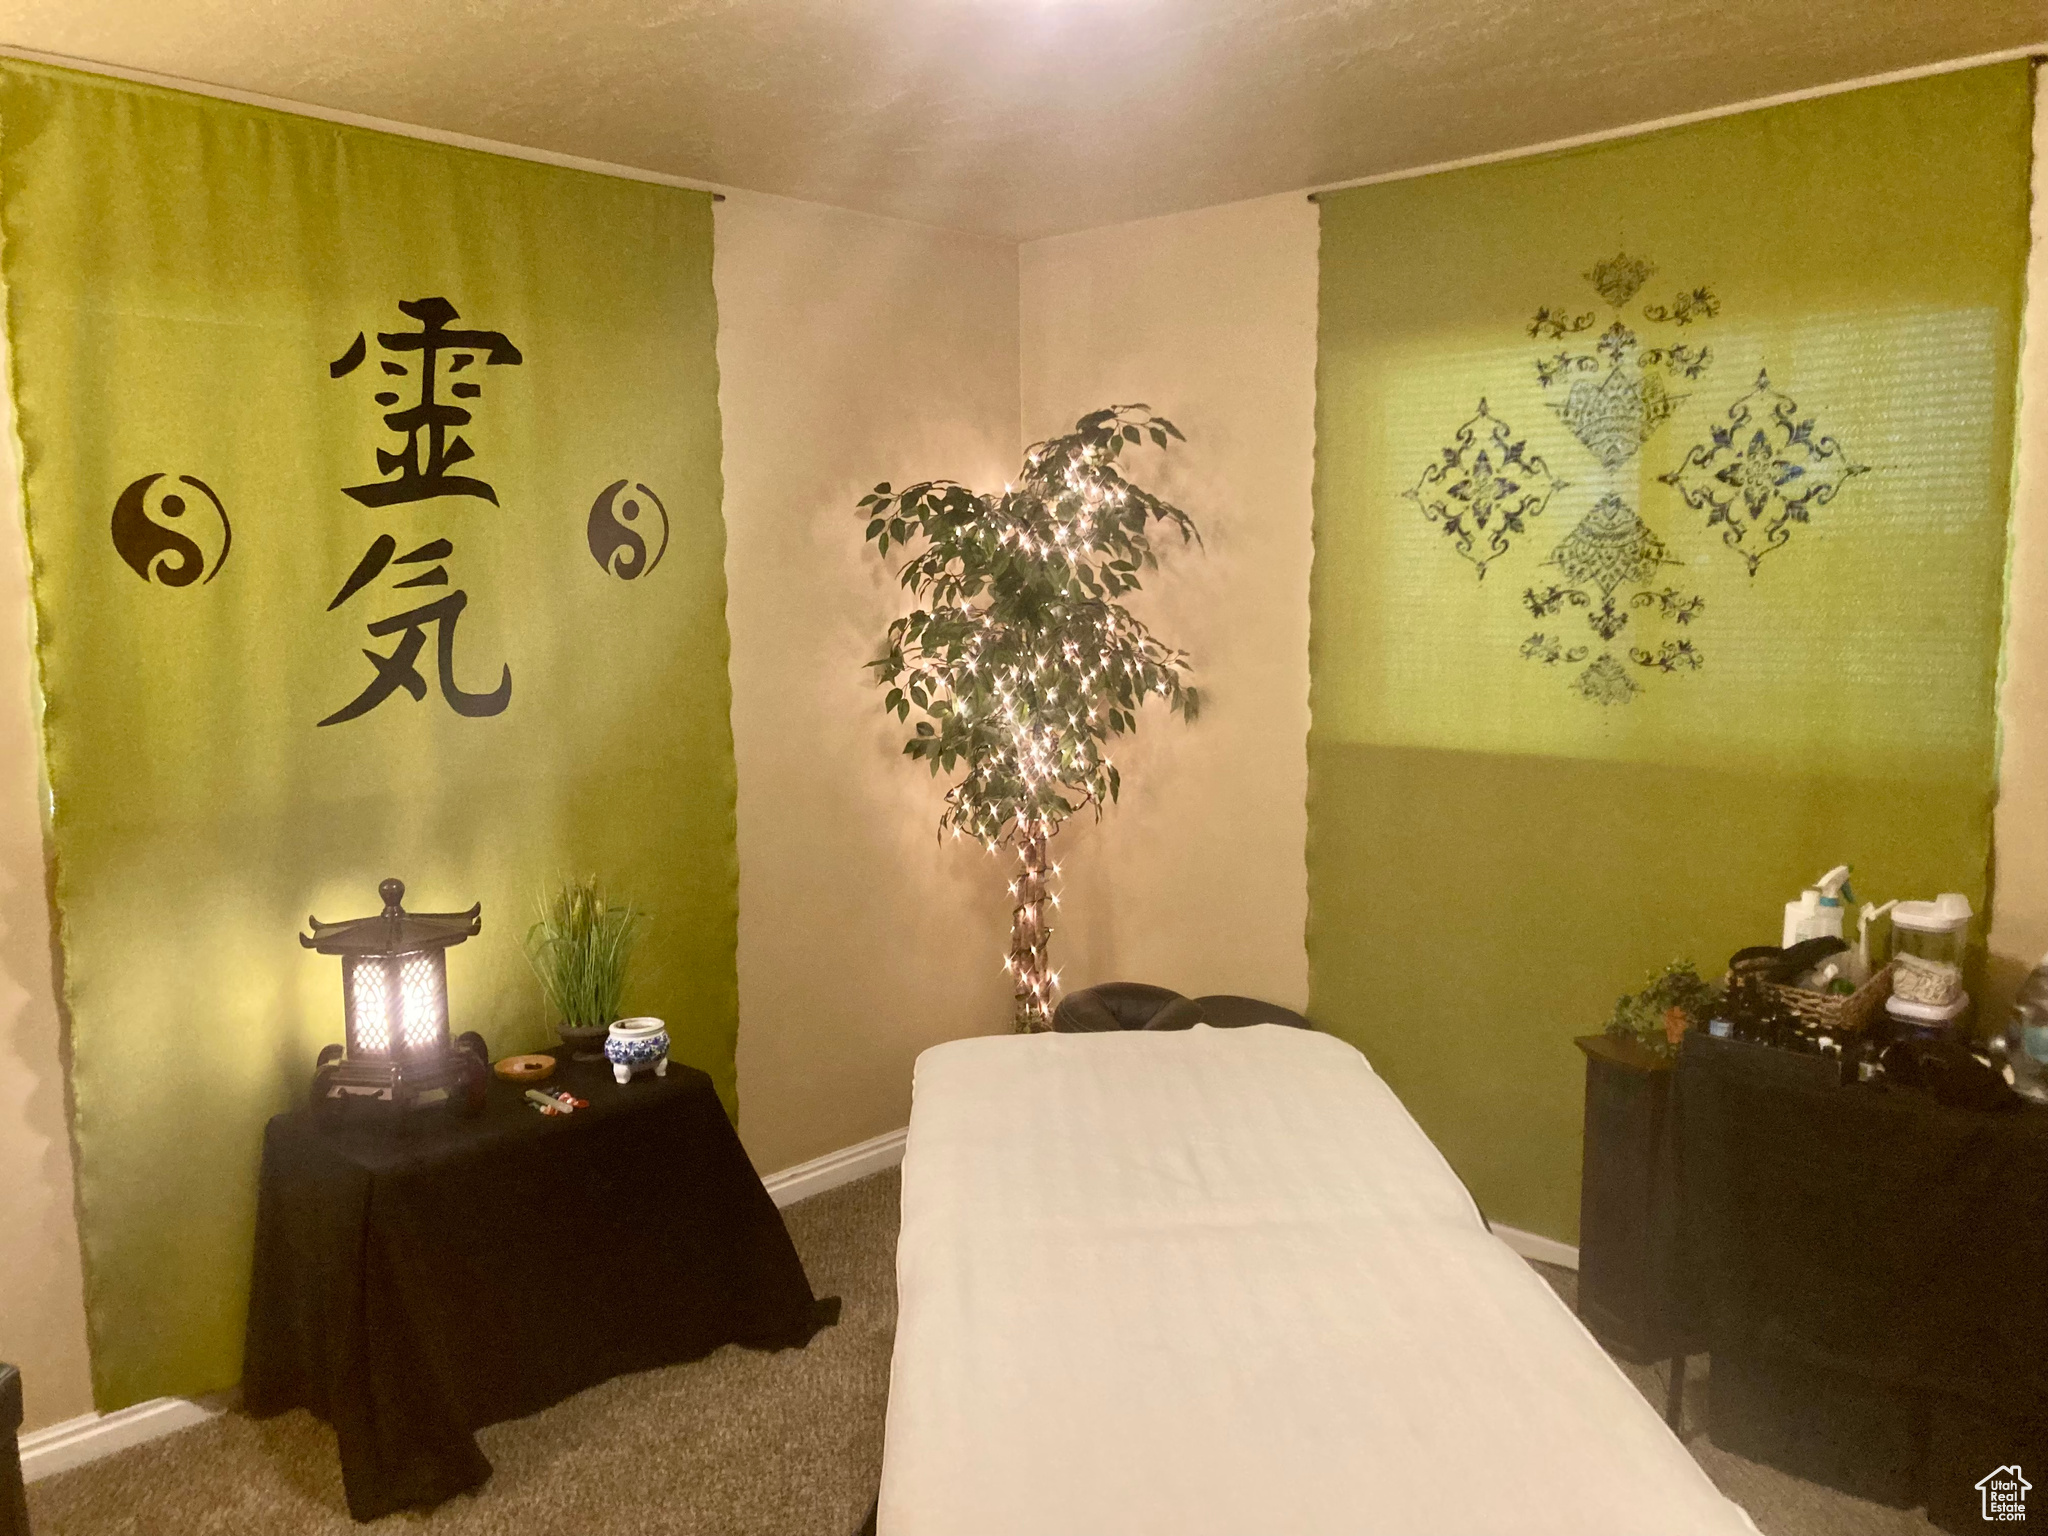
x=1928, y=942
x=2026, y=1038
x=1927, y=1020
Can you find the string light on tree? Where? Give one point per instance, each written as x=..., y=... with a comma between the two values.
x=1020, y=659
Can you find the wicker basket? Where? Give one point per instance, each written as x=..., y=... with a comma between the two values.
x=1848, y=1014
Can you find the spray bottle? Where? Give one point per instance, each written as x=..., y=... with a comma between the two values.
x=1817, y=914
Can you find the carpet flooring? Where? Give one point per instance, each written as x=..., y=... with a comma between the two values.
x=737, y=1444
x=1779, y=1503
x=740, y=1443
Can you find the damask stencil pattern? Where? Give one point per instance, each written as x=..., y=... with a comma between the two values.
x=1611, y=549
x=1483, y=488
x=1619, y=393
x=1761, y=471
x=1614, y=387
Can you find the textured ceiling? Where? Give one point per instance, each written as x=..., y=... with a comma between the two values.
x=1021, y=118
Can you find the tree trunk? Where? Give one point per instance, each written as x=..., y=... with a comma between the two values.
x=1030, y=976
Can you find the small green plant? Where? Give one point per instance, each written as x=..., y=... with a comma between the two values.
x=1658, y=1016
x=579, y=950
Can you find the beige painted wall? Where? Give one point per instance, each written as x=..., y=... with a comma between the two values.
x=1196, y=879
x=42, y=1299
x=2019, y=927
x=851, y=349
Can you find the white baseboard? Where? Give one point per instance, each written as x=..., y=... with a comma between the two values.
x=59, y=1448
x=1544, y=1250
x=836, y=1168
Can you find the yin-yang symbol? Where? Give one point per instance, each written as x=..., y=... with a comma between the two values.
x=157, y=532
x=616, y=528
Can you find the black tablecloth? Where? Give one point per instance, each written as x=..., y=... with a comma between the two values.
x=415, y=1284
x=1865, y=1261
x=13, y=1500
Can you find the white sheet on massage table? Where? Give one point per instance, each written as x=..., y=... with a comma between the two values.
x=1219, y=1283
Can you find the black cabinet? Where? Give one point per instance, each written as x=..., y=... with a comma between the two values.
x=1628, y=1209
x=1864, y=1264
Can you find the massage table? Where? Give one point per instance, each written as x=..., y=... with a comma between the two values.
x=1219, y=1283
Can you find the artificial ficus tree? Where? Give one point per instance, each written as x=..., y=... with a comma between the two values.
x=1020, y=659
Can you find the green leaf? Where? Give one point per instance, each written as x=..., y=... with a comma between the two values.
x=979, y=593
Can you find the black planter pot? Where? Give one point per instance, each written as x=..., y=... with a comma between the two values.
x=586, y=1041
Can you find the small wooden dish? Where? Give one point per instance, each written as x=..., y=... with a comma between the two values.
x=525, y=1069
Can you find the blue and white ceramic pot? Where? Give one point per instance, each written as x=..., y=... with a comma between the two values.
x=637, y=1045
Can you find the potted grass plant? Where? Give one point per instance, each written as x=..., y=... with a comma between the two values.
x=579, y=949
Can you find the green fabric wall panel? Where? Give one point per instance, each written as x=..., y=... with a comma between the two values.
x=186, y=283
x=1661, y=529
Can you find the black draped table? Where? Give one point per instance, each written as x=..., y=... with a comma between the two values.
x=1866, y=1265
x=414, y=1284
